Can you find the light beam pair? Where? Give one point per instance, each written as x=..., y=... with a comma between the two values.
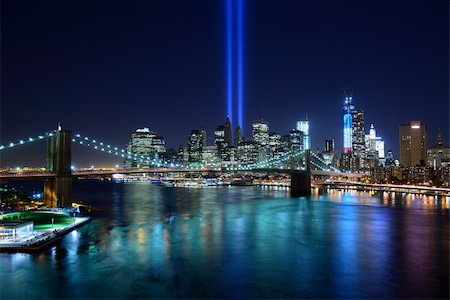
x=235, y=57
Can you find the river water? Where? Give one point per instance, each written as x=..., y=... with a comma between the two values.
x=240, y=242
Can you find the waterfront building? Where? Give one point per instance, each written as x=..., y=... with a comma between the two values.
x=195, y=146
x=413, y=143
x=303, y=126
x=14, y=231
x=348, y=109
x=439, y=155
x=146, y=143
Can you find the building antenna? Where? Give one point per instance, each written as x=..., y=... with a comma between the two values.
x=345, y=94
x=306, y=116
x=351, y=94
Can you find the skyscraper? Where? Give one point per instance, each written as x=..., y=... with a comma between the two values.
x=238, y=135
x=348, y=108
x=413, y=143
x=261, y=132
x=203, y=135
x=303, y=126
x=439, y=155
x=374, y=142
x=195, y=146
x=358, y=141
x=329, y=145
x=227, y=132
x=146, y=143
x=296, y=139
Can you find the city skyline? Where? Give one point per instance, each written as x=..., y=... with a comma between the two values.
x=110, y=88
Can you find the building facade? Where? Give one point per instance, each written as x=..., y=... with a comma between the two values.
x=358, y=138
x=260, y=130
x=146, y=143
x=439, y=155
x=195, y=146
x=413, y=144
x=303, y=126
x=348, y=109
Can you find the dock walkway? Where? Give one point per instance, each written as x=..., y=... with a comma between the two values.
x=42, y=240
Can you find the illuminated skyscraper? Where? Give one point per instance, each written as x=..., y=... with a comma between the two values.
x=195, y=146
x=146, y=143
x=439, y=155
x=238, y=135
x=296, y=139
x=303, y=126
x=413, y=144
x=227, y=132
x=219, y=140
x=261, y=132
x=358, y=141
x=329, y=145
x=348, y=109
x=203, y=134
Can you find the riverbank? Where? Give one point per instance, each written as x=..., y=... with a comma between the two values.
x=42, y=239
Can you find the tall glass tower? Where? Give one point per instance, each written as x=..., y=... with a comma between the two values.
x=303, y=126
x=348, y=109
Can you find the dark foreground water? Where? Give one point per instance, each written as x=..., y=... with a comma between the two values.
x=240, y=242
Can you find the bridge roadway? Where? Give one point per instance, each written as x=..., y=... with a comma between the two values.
x=93, y=172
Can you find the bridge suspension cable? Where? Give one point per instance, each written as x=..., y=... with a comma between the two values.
x=120, y=152
x=27, y=141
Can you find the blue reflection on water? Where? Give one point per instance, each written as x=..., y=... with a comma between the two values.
x=240, y=242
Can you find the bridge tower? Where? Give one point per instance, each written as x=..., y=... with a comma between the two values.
x=58, y=190
x=301, y=179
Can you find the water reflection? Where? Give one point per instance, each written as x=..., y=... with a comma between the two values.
x=238, y=242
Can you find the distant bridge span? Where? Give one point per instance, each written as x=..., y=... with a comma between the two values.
x=47, y=175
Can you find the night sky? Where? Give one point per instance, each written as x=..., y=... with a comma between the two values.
x=106, y=68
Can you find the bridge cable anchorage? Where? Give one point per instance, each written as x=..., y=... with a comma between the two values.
x=27, y=140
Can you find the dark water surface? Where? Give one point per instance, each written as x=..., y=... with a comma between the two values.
x=240, y=242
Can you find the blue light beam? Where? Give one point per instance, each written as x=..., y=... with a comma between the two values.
x=230, y=60
x=240, y=62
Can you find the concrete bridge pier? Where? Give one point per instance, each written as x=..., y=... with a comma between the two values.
x=300, y=183
x=301, y=179
x=58, y=190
